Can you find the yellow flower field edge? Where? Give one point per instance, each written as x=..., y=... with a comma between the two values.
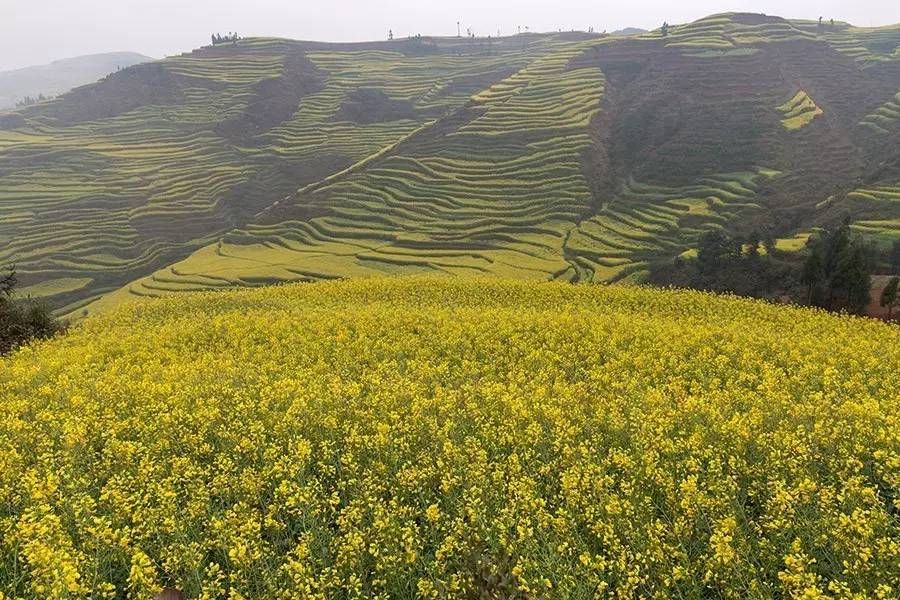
x=438, y=438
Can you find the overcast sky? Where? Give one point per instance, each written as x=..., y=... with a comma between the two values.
x=39, y=31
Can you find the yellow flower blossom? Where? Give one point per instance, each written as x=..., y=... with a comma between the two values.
x=437, y=438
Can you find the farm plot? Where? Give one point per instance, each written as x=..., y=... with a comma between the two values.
x=491, y=190
x=199, y=143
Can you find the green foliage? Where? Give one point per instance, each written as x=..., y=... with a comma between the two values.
x=451, y=156
x=889, y=296
x=113, y=196
x=886, y=118
x=799, y=111
x=725, y=263
x=495, y=195
x=838, y=270
x=716, y=249
x=22, y=321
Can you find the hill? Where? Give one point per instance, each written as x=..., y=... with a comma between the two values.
x=600, y=160
x=449, y=438
x=629, y=31
x=60, y=76
x=118, y=179
x=571, y=156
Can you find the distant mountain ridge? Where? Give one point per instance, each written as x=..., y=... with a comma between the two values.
x=62, y=75
x=629, y=31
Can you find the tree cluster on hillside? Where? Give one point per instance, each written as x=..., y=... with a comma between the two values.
x=838, y=271
x=22, y=320
x=224, y=39
x=836, y=274
x=745, y=266
x=28, y=101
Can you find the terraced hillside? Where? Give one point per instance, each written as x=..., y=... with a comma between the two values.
x=876, y=209
x=886, y=118
x=593, y=163
x=570, y=156
x=117, y=179
x=491, y=189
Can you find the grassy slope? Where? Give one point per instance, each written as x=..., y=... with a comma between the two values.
x=107, y=189
x=494, y=194
x=420, y=437
x=504, y=186
x=592, y=160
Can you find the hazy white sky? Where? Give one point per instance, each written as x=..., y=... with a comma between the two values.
x=39, y=31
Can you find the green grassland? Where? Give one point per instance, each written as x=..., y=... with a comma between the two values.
x=725, y=31
x=645, y=222
x=561, y=156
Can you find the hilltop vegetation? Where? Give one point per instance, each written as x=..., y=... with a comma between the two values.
x=447, y=438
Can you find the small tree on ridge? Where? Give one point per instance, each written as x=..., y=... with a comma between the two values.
x=889, y=297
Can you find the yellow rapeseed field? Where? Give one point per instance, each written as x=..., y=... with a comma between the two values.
x=437, y=438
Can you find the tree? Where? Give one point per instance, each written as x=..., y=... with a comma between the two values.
x=769, y=243
x=895, y=257
x=889, y=296
x=721, y=265
x=8, y=283
x=838, y=271
x=812, y=277
x=716, y=248
x=753, y=242
x=855, y=277
x=665, y=29
x=29, y=100
x=21, y=322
